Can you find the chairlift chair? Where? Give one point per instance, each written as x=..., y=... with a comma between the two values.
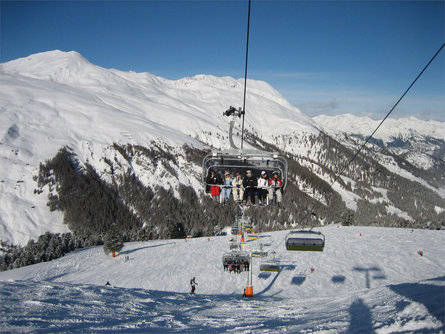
x=305, y=240
x=238, y=260
x=259, y=253
x=234, y=230
x=270, y=265
x=239, y=161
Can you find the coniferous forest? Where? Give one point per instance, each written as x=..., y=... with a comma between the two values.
x=95, y=202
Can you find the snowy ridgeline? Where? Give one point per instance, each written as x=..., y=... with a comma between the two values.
x=367, y=279
x=56, y=99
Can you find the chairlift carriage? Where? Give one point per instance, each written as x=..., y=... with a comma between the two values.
x=236, y=261
x=305, y=240
x=259, y=253
x=240, y=161
x=270, y=265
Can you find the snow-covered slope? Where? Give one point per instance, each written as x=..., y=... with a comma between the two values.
x=53, y=99
x=367, y=279
x=391, y=129
x=421, y=143
x=56, y=99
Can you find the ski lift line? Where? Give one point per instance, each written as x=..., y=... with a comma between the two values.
x=389, y=113
x=245, y=74
x=375, y=130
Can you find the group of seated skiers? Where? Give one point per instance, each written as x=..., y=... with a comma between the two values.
x=245, y=188
x=236, y=266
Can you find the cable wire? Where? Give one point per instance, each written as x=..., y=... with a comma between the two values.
x=245, y=75
x=372, y=134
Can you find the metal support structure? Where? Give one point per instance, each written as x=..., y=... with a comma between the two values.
x=249, y=288
x=245, y=75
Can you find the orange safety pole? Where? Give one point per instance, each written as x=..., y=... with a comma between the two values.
x=249, y=291
x=249, y=288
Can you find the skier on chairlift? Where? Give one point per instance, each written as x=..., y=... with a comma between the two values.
x=238, y=190
x=249, y=184
x=213, y=182
x=263, y=184
x=227, y=187
x=275, y=186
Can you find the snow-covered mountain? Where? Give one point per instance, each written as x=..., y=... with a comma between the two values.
x=53, y=99
x=127, y=131
x=367, y=280
x=422, y=143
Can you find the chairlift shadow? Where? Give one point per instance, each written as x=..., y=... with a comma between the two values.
x=298, y=280
x=338, y=279
x=361, y=318
x=140, y=248
x=288, y=266
x=264, y=275
x=368, y=272
x=267, y=288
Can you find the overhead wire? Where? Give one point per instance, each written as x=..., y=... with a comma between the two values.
x=311, y=211
x=245, y=74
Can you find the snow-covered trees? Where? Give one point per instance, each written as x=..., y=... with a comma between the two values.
x=348, y=218
x=113, y=240
x=48, y=247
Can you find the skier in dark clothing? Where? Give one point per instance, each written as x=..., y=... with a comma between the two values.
x=193, y=284
x=249, y=184
x=212, y=184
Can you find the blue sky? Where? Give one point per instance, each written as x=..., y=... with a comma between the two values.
x=325, y=57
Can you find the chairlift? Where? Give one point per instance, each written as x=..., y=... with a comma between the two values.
x=259, y=253
x=270, y=265
x=234, y=230
x=240, y=161
x=305, y=240
x=248, y=228
x=236, y=261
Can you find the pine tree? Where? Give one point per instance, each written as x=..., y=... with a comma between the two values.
x=348, y=218
x=113, y=240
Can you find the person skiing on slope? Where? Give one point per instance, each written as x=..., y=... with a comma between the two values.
x=193, y=285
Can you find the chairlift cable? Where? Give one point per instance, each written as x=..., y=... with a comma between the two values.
x=245, y=75
x=375, y=130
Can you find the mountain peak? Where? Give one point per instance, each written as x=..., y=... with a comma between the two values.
x=56, y=65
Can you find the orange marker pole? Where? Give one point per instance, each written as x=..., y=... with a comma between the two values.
x=249, y=288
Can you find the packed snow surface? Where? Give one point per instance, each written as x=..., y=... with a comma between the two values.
x=366, y=280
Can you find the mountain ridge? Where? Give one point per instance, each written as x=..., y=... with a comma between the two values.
x=120, y=125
